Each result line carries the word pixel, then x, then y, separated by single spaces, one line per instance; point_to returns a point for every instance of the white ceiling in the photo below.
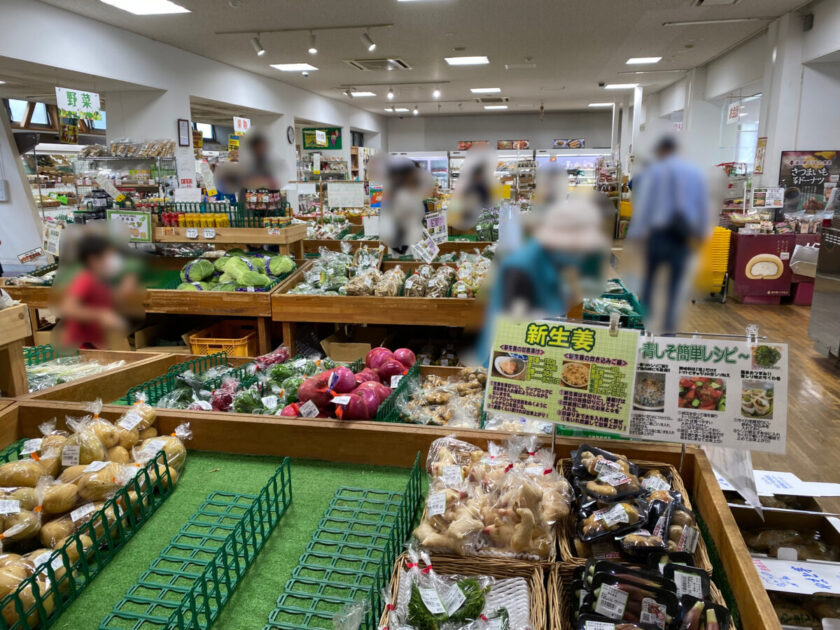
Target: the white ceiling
pixel 574 43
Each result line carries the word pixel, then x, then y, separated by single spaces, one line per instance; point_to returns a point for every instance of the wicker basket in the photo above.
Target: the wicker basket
pixel 533 573
pixel 560 596
pixel 565 539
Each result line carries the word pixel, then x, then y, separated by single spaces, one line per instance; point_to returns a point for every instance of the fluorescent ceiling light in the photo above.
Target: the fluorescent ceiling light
pixel 719 21
pixel 495 107
pixel 293 67
pixel 147 7
pixel 362 94
pixel 485 90
pixel 2 83
pixel 600 105
pixel 643 60
pixel 467 61
pixel 620 86
pixel 401 109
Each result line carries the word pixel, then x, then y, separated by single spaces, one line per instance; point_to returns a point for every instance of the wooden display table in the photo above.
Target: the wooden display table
pixel 14 328
pixel 289 239
pixel 386 444
pixel 313 245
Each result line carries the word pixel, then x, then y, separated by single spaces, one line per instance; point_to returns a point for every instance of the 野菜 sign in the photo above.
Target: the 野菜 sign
pixel 721 392
pixel 77 104
pixel 560 371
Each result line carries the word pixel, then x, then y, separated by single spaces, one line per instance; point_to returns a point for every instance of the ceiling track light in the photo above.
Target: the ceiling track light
pixel 390 94
pixel 368 42
pixel 257 44
pixel 436 93
pixel 313 49
pixel 415 111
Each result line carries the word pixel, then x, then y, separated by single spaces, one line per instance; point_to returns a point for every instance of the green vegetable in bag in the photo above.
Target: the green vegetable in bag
pixel 194 286
pixel 253 279
pixel 279 372
pixel 197 270
pixel 221 262
pixel 224 286
pixel 291 386
pixel 279 265
pixel 248 401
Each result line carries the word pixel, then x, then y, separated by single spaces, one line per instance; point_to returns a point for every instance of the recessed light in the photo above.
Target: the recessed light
pixel 415 111
pixel 620 86
pixel 363 94
pixel 390 94
pixel 719 21
pixel 293 67
pixel 485 90
pixel 436 93
pixel 642 60
pixel 147 7
pixel 467 61
pixel 495 107
pixel 600 105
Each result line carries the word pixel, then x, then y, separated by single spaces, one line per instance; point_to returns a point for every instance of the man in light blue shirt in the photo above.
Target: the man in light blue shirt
pixel 670 215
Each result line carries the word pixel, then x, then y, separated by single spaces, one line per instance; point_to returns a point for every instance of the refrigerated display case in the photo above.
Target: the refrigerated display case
pixel 581 164
pixel 436 162
pixel 824 327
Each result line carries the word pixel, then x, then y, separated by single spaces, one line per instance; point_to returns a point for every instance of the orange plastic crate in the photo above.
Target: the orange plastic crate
pixel 237 339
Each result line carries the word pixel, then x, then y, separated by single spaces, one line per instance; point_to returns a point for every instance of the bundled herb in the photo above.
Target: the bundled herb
pixel 420 617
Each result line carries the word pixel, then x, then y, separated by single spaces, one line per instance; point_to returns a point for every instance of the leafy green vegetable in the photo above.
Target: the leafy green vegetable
pixel 421 618
pixel 279 265
pixel 766 356
pixel 194 286
pixel 248 401
pixel 279 372
pixel 253 279
pixel 327 363
pixel 221 262
pixel 197 270
pixel 291 386
pixel 224 286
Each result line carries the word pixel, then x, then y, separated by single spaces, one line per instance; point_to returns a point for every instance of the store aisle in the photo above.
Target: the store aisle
pixel 813 390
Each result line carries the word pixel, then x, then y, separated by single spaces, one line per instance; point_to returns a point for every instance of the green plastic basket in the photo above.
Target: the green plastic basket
pixel 188 585
pixel 389 411
pixel 36 608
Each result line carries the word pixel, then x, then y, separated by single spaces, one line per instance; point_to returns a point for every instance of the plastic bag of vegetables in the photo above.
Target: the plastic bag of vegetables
pixel 197 270
pixel 195 286
pixel 279 265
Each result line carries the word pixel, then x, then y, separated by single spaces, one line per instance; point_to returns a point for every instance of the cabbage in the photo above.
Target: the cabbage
pixel 224 286
pixel 253 279
pixel 238 266
pixel 194 286
pixel 221 262
pixel 226 277
pixel 279 265
pixel 197 270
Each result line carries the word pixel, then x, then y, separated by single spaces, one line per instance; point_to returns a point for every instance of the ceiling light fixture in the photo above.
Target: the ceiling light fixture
pixel 718 21
pixel 389 109
pixel 293 67
pixel 400 109
pixel 620 86
pixel 313 49
pixel 147 7
pixel 363 94
pixel 304 74
pixel 390 94
pixel 436 93
pixel 495 107
pixel 368 42
pixel 415 111
pixel 485 90
pixel 642 60
pixel 348 93
pixel 478 60
pixel 2 83
pixel 257 44
pixel 600 105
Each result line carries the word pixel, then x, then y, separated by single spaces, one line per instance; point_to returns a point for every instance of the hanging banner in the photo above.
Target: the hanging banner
pixel 241 125
pixel 138 224
pixel 760 153
pixel 322 138
pixel 568 143
pixel 565 372
pixel 466 145
pixel 518 145
pixel 77 104
pixel 733 113
pixel 425 249
pixel 233 142
pixel 708 391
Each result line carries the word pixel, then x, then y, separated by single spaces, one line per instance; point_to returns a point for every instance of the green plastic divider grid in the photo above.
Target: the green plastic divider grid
pixel 70 568
pixel 350 556
pixel 388 410
pixel 195 576
pixel 35 355
pixel 157 387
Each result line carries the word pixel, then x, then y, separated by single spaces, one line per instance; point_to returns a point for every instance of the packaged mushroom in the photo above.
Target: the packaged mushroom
pixel 363 283
pixel 439 283
pixel 415 286
pixel 390 283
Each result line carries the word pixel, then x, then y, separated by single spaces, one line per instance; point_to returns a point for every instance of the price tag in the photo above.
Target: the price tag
pixel 436 504
pixel 9 506
pixel 31 446
pixel 653 613
pixel 209 233
pixel 613 478
pixel 274 231
pixel 613 516
pixel 655 483
pixel 431 599
pixel 688 584
pixel 130 421
pixel 82 512
pixel 395 380
pixel 42 558
pixel 611 601
pixel 269 402
pixel 70 456
pixel 534 470
pixel 308 409
pixel 341 400
pixel 191 232
pixel 599 625
pixel 688 539
pixel 452 475
pixel 605 464
pixel 94 466
pixel 453 599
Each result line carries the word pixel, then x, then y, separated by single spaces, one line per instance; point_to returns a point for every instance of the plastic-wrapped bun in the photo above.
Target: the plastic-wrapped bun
pixel 172 446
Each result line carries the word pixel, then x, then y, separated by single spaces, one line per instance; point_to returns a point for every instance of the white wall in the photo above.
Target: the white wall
pixel 442 133
pixel 737 68
pixel 819 109
pixel 672 98
pixel 823 40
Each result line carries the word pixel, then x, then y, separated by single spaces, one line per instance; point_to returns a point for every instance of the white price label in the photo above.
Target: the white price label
pixel 688 584
pixel 70 456
pixel 209 233
pixel 614 515
pixel 613 478
pixel 605 464
pixel 42 558
pixel 431 599
pixel 341 400
pixel 436 504
pixel 653 612
pixel 395 380
pixel 298 363
pixel 83 512
pixel 31 446
pixel 191 232
pixel 274 231
pixel 599 625
pixel 688 539
pixel 308 409
pixel 534 470
pixel 655 483
pixel 453 599
pixel 452 475
pixel 94 466
pixel 269 402
pixel 130 421
pixel 611 601
pixel 9 506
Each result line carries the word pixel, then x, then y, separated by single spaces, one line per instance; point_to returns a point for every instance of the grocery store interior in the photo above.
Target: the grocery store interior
pixel 432 314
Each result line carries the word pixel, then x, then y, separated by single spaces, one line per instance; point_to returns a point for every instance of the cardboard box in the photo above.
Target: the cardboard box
pixel 340 347
pixel 827 528
pixel 797 503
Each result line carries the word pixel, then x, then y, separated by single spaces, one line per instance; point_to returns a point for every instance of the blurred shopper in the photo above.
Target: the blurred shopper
pixel 401 217
pixel 473 190
pixel 88 307
pixel 670 218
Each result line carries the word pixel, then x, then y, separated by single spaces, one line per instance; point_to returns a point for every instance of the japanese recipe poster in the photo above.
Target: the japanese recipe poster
pixel 723 392
pixel 566 372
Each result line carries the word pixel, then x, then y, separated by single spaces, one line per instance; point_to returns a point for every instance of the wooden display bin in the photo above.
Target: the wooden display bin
pixel 385 444
pixel 289 239
pixel 14 328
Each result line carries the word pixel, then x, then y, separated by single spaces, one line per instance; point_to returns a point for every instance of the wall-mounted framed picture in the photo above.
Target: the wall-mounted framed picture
pixel 184 134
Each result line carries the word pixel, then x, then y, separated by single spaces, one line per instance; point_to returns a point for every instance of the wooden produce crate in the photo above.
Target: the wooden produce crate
pixel 289 238
pixel 15 326
pixel 311 246
pixel 385 444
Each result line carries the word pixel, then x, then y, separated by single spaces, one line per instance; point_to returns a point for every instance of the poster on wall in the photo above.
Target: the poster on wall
pixel 138 224
pixel 466 145
pixel 810 171
pixel 515 145
pixel 241 125
pixel 322 138
pixel 711 391
pixel 733 113
pixel 568 143
pixel 760 153
pixel 565 372
pixel 68 131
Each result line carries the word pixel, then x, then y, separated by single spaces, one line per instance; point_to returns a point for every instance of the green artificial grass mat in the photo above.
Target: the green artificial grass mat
pixel 313 486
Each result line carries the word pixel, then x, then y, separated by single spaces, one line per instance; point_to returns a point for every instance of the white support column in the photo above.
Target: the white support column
pixel 701 122
pixel 638 93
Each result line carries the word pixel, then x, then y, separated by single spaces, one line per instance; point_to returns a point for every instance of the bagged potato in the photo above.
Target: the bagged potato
pixel 172 446
pixel 55 497
pixel 140 417
pixel 27 498
pixel 101 480
pixel 21 473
